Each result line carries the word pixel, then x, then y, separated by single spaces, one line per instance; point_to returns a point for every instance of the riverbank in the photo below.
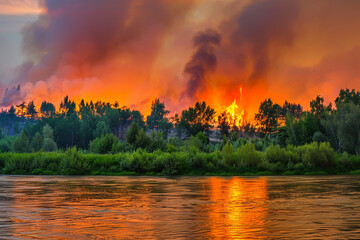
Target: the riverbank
pixel 310 159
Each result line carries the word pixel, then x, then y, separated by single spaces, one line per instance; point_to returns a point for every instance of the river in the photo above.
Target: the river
pixel 111 207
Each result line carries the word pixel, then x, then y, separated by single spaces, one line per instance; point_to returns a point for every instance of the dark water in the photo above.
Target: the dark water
pixel 180 208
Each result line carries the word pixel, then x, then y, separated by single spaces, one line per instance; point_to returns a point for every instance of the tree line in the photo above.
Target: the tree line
pixel 102 127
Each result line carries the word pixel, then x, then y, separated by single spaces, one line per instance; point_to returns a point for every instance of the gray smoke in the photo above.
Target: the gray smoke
pixel 11 96
pixel 259 26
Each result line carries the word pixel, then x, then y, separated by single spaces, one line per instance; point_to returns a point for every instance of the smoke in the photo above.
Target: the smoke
pixel 202 62
pixel 76 42
pixel 133 51
pixel 72 35
pixel 260 26
pixel 11 96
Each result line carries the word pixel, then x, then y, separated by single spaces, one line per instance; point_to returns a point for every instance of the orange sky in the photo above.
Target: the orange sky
pixel 134 51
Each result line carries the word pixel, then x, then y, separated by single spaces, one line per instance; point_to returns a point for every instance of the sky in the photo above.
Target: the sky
pixel 181 51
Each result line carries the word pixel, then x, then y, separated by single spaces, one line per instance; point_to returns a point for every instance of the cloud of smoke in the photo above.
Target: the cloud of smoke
pixel 260 26
pixel 202 62
pixel 89 39
pixel 133 51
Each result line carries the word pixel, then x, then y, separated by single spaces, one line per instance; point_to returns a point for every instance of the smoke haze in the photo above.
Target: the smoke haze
pixel 188 50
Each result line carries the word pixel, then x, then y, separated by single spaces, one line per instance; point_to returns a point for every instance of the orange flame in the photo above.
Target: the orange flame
pixel 234 116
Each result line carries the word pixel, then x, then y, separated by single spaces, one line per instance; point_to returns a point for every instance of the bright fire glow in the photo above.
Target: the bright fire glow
pixel 235 116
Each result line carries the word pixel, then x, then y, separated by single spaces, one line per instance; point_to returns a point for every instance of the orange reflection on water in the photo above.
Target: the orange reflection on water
pixel 238 208
pixel 134 207
pixel 67 210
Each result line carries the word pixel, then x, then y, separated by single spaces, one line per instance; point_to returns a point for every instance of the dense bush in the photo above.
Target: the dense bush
pixel 275 154
pixel 157 141
pixel 175 141
pixel 249 156
pixel 74 163
pixel 132 133
pixel 122 147
pixel 307 159
pixel 318 155
pixel 21 144
pixel 104 144
pixel 36 142
pixel 193 142
pixel 166 163
pixel 229 158
pixel 6 144
pixel 142 140
pixel 49 145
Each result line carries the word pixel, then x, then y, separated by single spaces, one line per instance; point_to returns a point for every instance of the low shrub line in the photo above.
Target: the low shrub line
pixel 314 158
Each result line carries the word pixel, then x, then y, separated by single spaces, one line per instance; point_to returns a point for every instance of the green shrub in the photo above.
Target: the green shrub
pixel 193 142
pixel 36 142
pixel 49 145
pixel 229 158
pixel 121 146
pixel 177 142
pixel 140 161
pixel 274 154
pixel 171 148
pixel 104 144
pixel 21 144
pixel 319 137
pixel 143 140
pixel 249 156
pixel 49 161
pixel 18 163
pixel 356 172
pixel 157 141
pixel 195 159
pixel 132 133
pixel 318 155
pixel 6 144
pixel 166 163
pixel 354 162
pixel 202 137
pixel 124 161
pixel 74 163
pixel 104 162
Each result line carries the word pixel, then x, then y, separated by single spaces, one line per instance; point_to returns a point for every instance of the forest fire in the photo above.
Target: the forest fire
pixel 179 118
pixel 235 116
pixel 131 59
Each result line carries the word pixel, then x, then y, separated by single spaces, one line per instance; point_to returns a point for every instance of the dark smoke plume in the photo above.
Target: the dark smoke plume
pixel 202 62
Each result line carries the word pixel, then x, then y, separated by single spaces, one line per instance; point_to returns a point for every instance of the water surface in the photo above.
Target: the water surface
pixel 105 207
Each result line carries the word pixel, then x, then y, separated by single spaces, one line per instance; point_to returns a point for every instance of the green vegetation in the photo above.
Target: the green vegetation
pixel 103 138
pixel 315 158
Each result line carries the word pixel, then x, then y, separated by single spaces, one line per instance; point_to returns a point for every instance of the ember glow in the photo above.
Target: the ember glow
pixel 182 51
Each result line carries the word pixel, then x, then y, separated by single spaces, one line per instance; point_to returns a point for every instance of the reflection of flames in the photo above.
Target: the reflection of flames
pixel 234 116
pixel 239 208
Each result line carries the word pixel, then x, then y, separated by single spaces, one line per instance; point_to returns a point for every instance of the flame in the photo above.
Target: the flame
pixel 234 116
